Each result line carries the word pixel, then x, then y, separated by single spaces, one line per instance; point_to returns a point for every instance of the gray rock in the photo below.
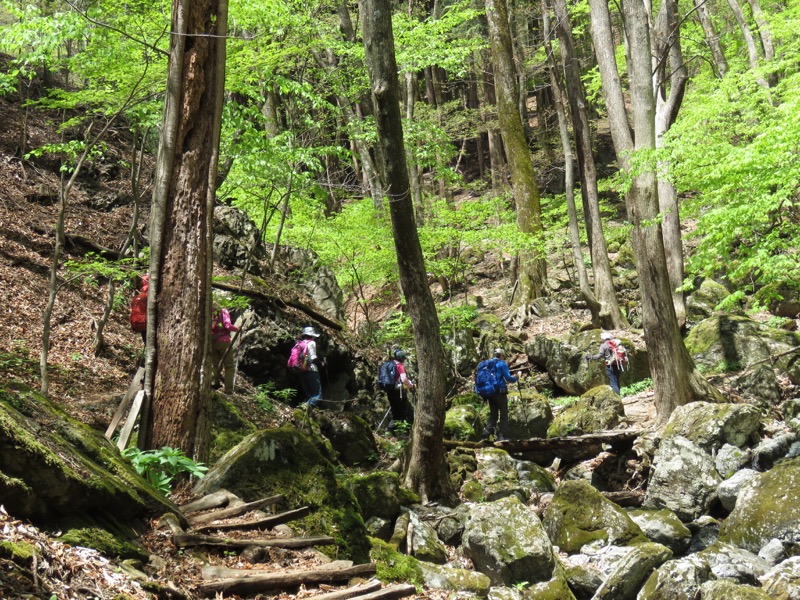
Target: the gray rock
pixel 505 540
pixel 379 528
pixel 663 527
pixel 583 580
pixel 729 490
pixel 773 552
pixel 701 303
pixel 499 475
pixel 678 579
pixel 705 531
pixel 730 459
pixel 631 572
pixel 237 242
pixel 736 564
pixel 766 453
pixel 783 581
pixel 350 436
pixel 528 416
pixel 683 479
pixel 599 409
pixel 423 543
pixel 761 385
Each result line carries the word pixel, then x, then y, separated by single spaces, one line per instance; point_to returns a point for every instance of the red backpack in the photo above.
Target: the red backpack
pixel 619 354
pixel 138 316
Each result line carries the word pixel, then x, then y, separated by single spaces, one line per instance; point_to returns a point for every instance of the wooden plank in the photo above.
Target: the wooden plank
pixel 263 523
pixel 135 385
pixel 282 580
pixel 234 511
pixel 393 592
pixel 185 540
pixel 127 429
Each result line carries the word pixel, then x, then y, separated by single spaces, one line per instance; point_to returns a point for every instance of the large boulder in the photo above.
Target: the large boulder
pixel 663 527
pixel 579 514
pixel 710 425
pixel 564 361
pixel 722 589
pixel 684 479
pixel 505 540
pixel 766 508
pixel 703 301
pixel 462 422
pixel 237 241
pixel 783 581
pixel 729 342
pixel 529 416
pixel 735 564
pixel 350 436
pixel 454 579
pixel 53 467
pixel 423 543
pixel 599 409
pixel 632 571
pixel 285 461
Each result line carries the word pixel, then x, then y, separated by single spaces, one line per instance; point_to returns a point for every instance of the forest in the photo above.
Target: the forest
pixel 452 173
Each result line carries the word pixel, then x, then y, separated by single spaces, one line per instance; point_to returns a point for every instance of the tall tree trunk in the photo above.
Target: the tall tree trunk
pixel 610 315
pixel 533 269
pixel 712 37
pixel 667 53
pixel 426 472
pixel 749 40
pixel 764 31
pixel 675 379
pixel 569 171
pixel 180 301
pixel 413 170
pixel 496 161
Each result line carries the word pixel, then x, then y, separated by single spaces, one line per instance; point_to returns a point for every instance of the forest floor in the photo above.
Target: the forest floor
pixel 88 383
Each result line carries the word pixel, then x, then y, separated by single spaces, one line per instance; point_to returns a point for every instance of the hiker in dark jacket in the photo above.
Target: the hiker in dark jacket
pixel 498 402
pixel 398 395
pixel 607 355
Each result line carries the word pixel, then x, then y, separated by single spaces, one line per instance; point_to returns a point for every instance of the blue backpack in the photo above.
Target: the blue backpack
pixel 387 373
pixel 486 378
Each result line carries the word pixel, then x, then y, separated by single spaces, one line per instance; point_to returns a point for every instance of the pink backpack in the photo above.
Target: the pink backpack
pixel 298 358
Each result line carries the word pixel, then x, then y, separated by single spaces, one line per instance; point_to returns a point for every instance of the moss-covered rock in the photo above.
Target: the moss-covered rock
pixel 766 508
pixel 731 343
pixel 529 415
pixel 633 570
pixel 392 565
pixel 579 514
pixel 722 589
pixel 461 422
pixel 52 466
pixel 350 436
pixel 443 577
pixel 122 542
pixel 597 410
pixel 500 475
pixel 379 494
pixel 285 461
pixel 703 301
pixel 228 427
pixel 19 552
pixel 711 425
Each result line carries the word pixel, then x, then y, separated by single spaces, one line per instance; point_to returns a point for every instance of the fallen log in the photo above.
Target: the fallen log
pixel 234 511
pixel 209 572
pixel 185 540
pixel 281 580
pixel 569 449
pixel 351 592
pixel 401 590
pixel 215 500
pixel 262 523
pixel 626 498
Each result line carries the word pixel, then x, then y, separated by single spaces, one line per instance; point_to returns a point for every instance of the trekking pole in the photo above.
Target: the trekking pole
pixel 383 420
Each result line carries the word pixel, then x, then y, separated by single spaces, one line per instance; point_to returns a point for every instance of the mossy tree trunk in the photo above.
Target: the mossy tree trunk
pixel 532 272
pixel 426 472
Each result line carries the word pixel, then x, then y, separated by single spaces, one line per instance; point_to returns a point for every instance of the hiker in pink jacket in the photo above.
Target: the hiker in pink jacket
pixel 221 352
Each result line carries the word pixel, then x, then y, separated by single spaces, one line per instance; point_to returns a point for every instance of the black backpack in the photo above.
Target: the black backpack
pixel 486 380
pixel 387 373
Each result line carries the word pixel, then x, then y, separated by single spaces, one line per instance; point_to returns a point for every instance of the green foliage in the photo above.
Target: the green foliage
pixel 267 393
pixel 160 467
pixel 635 388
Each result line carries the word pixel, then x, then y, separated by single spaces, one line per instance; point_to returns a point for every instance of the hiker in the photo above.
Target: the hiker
pixel 138 316
pixel 398 393
pixel 613 354
pixel 304 361
pixel 221 328
pixel 496 393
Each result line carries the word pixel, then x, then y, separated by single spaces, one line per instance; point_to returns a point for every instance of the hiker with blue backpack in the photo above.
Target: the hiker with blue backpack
pixel 303 361
pixel 491 377
pixel 393 379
